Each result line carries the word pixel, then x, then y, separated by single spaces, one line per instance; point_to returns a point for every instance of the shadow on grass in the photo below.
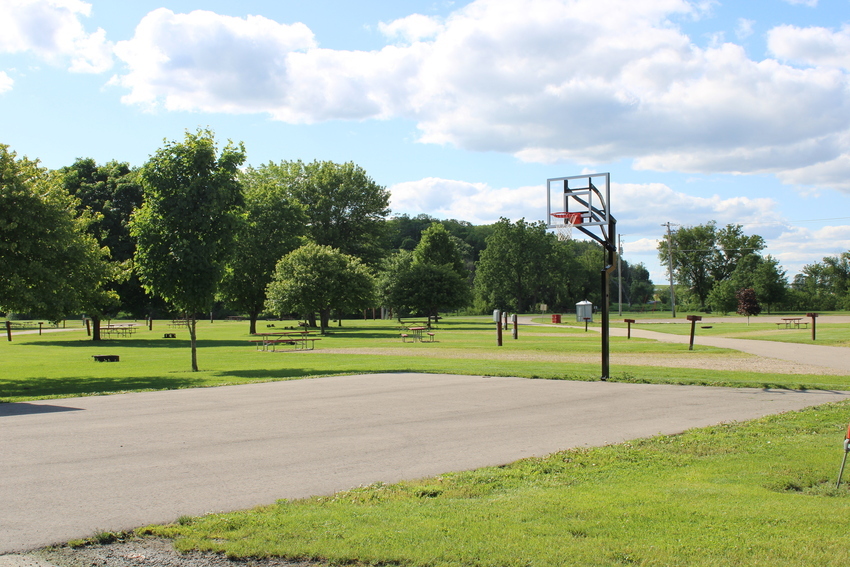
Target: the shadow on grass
pixel 144 343
pixel 293 373
pixel 89 385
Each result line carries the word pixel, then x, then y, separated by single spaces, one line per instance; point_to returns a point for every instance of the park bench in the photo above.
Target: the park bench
pixel 105 357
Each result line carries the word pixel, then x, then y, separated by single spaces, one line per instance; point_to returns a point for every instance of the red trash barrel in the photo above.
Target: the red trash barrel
pixel 556 318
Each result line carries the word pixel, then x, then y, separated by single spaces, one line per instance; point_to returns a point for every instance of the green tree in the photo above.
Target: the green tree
pixel 723 297
pixel 770 283
pixel 641 288
pixel 704 255
pixel 515 270
pixel 49 265
pixel 110 193
pixel 392 276
pixel 430 279
pixel 315 278
pixel 272 228
pixel 438 247
pixel 185 229
pixel 345 208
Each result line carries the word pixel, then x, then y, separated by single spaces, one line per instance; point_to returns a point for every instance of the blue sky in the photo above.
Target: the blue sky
pixel 737 112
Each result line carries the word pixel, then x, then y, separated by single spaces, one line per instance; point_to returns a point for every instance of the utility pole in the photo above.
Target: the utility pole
pixel 620 272
pixel 670 267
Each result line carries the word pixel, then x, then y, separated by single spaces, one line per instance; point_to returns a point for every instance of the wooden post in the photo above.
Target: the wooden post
pixel 814 317
pixel 9 330
pixel 498 319
pixel 693 319
pixel 88 327
pixel 586 321
pixel 629 327
pixel 150 323
pixel 40 323
pixel 516 328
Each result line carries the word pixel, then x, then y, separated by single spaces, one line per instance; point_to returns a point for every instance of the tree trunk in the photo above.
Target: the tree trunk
pixel 252 328
pixel 190 322
pixel 95 321
pixel 325 317
pixel 311 319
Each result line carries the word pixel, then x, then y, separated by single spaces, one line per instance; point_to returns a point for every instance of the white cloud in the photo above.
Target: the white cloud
pixel 811 46
pixel 415 27
pixel 204 61
pixel 744 29
pixel 810 3
pixel 6 82
pixel 587 81
pixel 52 30
pixel 477 203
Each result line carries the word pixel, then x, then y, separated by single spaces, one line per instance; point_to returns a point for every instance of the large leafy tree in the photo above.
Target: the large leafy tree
pixel 516 269
pixel 186 228
pixel 50 266
pixel 110 193
pixel 823 285
pixel 345 208
pixel 273 225
pixel 438 247
pixel 315 278
pixel 704 254
pixel 431 278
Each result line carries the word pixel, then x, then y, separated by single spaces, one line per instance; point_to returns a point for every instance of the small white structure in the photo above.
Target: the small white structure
pixel 584 311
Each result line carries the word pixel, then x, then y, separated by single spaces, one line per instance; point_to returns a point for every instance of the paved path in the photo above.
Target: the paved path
pixel 73 466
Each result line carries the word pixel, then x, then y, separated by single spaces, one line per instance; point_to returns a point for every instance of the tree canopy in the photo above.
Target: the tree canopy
pixel 704 255
pixel 185 229
pixel 315 278
pixel 49 265
pixel 272 227
pixel 345 208
pixel 515 269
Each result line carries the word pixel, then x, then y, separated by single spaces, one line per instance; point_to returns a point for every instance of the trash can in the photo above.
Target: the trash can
pixel 556 318
pixel 584 311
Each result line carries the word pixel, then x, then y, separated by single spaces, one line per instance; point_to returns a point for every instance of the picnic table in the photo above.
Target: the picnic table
pixel 416 334
pixel 301 340
pixel 793 322
pixel 118 330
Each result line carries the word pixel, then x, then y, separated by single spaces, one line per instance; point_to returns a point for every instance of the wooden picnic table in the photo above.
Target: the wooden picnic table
pixel 794 322
pixel 118 330
pixel 301 340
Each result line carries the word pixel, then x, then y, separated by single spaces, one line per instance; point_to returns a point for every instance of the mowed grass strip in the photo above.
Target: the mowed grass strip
pixel 762 328
pixel 758 493
pixel 60 364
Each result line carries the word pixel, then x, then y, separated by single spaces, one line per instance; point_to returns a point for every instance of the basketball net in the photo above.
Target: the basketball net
pixel 564 223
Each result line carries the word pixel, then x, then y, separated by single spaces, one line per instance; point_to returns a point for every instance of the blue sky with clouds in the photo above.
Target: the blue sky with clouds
pixel 701 110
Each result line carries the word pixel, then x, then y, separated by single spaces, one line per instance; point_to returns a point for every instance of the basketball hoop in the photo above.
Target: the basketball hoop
pixel 564 224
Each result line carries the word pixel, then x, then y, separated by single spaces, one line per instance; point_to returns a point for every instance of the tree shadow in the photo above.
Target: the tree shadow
pixel 144 343
pixel 23 408
pixel 90 385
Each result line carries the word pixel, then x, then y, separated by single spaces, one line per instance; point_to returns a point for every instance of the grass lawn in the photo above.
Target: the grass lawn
pixel 60 364
pixel 763 327
pixel 759 493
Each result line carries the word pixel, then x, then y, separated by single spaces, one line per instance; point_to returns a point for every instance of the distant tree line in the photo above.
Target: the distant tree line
pixel 712 265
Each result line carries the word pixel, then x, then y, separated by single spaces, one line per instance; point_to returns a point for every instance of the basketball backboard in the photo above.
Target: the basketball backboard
pixel 586 195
